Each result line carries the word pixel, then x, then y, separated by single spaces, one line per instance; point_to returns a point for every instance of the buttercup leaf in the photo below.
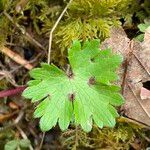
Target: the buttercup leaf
pixel 84 94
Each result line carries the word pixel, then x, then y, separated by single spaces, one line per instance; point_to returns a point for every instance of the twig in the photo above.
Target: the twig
pixel 145 137
pixel 23 135
pixel 16 57
pixel 76 137
pixel 7 116
pixel 19 67
pixel 8 77
pixel 16 121
pixel 127 62
pixel 28 36
pixel 41 143
pixel 52 30
pixel 131 120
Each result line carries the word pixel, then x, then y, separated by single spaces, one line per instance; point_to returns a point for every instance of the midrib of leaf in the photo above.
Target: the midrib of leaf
pixel 90 99
pixel 91 102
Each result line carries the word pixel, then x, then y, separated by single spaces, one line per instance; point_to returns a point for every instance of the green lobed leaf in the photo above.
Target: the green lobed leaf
pixel 25 143
pixel 12 145
pixel 85 93
pixel 143 26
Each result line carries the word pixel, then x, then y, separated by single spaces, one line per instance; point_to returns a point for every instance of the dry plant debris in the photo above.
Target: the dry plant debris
pixel 16 57
pixel 134 73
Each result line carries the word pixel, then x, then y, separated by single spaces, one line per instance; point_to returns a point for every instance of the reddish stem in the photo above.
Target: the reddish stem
pixel 11 92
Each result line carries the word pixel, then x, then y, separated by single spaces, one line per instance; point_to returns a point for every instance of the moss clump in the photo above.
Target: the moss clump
pixel 83 20
pixel 90 19
pixel 123 137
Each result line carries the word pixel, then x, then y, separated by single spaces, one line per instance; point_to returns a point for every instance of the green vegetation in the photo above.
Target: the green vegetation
pixel 123 136
pixel 83 21
pixel 142 27
pixel 15 144
pixel 83 94
pixel 86 19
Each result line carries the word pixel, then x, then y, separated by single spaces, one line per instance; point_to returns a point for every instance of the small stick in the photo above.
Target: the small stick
pixel 28 36
pixel 76 136
pixel 127 62
pixel 16 121
pixel 52 30
pixel 8 77
pixel 19 67
pixel 8 116
pixel 41 143
pixel 17 58
pixel 23 135
pixel 122 119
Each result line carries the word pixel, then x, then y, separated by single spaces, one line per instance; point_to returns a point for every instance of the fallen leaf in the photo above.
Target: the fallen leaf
pixel 144 93
pixel 5 117
pixel 134 71
pixel 13 105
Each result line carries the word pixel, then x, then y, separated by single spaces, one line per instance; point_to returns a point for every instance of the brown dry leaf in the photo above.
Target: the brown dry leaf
pixel 5 117
pixel 119 43
pixel 133 73
pixel 144 93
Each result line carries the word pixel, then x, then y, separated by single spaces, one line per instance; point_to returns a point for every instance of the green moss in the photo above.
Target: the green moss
pixel 122 137
pixel 84 19
pixel 4 29
pixel 90 19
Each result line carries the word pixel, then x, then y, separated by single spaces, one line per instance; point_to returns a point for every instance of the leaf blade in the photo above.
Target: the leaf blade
pixel 87 95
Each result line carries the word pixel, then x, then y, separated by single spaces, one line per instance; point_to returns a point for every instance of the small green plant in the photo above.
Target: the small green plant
pixel 83 94
pixel 15 144
pixel 142 27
